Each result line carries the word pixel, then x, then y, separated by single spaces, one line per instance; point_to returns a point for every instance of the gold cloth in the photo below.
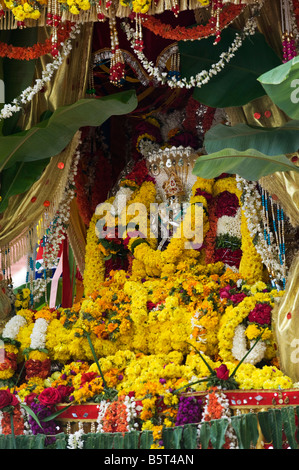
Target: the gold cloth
pixel 24 222
pixel 286 325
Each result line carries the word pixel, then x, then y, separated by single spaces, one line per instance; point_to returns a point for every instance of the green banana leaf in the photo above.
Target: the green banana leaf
pixel 269 141
pixel 236 84
pixel 19 178
pixel 49 137
pixel 281 84
pixel 251 164
pixel 246 429
pixel 24 156
pixel 271 426
pixel 289 426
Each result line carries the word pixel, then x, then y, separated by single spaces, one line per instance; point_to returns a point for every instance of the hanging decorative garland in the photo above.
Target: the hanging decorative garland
pixel 27 95
pixel 37 50
pixel 181 33
pixel 204 76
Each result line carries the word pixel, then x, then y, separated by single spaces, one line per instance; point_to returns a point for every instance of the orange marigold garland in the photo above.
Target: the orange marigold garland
pixel 181 33
pixel 217 407
pixel 37 50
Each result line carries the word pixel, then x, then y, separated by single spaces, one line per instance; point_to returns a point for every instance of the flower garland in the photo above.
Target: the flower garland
pixel 22 299
pixel 163 263
pixel 13 326
pixel 119 415
pixel 9 360
pixel 27 95
pixel 25 10
pixel 38 363
pixel 181 33
pixel 217 407
pixel 202 77
pixel 228 214
pixel 231 342
pixel 37 50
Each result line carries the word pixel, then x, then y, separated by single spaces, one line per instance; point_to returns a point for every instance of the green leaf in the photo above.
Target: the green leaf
pixel 19 178
pixel 56 413
pixel 271 426
pixel 205 434
pixel 289 426
pixel 217 432
pixel 31 413
pixel 52 135
pixel 21 159
pixel 95 358
pixel 282 85
pixel 269 141
pixel 246 429
pixel 236 84
pixel 146 439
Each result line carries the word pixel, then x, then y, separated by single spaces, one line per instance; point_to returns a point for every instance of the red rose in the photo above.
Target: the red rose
pixel 29 399
pixel 261 314
pixel 7 399
pixel 49 396
pixel 222 372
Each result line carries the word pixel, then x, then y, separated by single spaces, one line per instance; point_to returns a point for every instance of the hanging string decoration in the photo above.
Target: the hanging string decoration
pixel 287 27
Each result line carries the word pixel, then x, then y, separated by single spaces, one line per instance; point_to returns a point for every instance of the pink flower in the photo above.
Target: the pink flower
pixel 261 314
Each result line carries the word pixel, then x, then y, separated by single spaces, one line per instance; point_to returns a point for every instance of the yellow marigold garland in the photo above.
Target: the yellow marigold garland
pixel 94 272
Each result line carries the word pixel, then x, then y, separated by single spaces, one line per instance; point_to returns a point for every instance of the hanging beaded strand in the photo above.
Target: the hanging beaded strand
pixel 278 228
pixel 174 70
pixel 215 17
pixel 53 19
pixel 138 46
pixel 117 63
pixel 288 40
pixel 281 241
pixel 266 230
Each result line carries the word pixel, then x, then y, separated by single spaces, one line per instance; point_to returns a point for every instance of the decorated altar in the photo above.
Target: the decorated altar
pixel 149 183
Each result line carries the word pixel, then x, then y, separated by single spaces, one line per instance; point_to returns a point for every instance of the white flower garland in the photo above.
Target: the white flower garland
pixel 57 229
pixel 39 334
pixel 203 77
pixel 102 407
pixel 13 326
pixel 75 440
pixel 239 348
pixel 130 404
pixel 252 207
pixel 230 225
pixel 28 94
